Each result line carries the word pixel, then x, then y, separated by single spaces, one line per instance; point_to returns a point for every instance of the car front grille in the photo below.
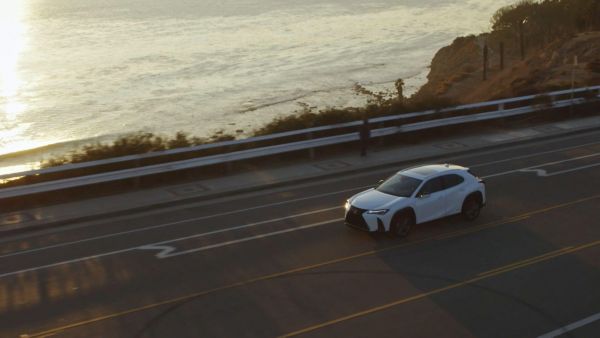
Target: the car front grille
pixel 354 218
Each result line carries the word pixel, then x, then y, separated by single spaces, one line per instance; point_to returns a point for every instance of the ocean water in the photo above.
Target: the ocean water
pixel 75 71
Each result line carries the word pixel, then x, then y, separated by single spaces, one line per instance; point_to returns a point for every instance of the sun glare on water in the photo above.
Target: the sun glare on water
pixel 13 39
pixel 12 43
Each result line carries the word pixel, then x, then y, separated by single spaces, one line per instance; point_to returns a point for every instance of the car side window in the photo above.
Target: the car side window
pixel 432 186
pixel 452 180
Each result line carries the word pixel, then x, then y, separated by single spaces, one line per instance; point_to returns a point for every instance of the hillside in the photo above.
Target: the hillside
pixel 457 70
pixel 553 34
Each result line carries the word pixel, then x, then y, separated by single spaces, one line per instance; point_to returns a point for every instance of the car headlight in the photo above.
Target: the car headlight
pixel 347 205
pixel 378 211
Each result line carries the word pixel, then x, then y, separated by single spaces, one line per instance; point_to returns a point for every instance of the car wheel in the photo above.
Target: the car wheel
pixel 401 225
pixel 471 208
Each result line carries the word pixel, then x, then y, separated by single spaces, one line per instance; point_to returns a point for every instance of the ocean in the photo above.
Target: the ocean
pixel 79 71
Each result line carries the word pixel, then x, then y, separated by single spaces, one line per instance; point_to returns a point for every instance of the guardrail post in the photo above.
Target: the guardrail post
pixel 311 151
pixel 501 106
pixel 138 180
pixel 381 138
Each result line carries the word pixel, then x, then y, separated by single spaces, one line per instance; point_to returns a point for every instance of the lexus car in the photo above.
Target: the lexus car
pixel 416 195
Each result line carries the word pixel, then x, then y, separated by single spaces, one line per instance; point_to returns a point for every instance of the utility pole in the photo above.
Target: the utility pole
pixel 501 55
pixel 575 61
pixel 521 39
pixel 485 61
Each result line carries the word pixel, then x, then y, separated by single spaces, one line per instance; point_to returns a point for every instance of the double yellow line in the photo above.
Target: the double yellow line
pixel 479 277
pixel 347 258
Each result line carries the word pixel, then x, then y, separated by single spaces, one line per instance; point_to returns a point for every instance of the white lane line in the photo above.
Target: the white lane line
pixel 572 169
pixel 544 173
pixel 75 260
pixel 166 250
pixel 158 226
pixel 183 221
pixel 571 326
pixel 65 244
pixel 203 234
pixel 535 154
pixel 169 251
pixel 540 165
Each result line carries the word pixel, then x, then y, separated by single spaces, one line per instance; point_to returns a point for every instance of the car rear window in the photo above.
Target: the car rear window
pixel 452 180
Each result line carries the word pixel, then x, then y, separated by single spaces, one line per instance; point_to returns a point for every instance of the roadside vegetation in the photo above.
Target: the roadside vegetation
pixel 378 104
pixel 547 20
pixel 132 144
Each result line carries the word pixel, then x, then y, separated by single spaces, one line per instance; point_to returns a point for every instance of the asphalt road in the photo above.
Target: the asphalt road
pixel 281 263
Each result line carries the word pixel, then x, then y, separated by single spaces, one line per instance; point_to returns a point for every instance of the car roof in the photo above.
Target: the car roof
pixel 426 171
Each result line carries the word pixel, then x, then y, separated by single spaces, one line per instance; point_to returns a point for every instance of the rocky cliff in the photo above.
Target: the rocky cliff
pixel 456 71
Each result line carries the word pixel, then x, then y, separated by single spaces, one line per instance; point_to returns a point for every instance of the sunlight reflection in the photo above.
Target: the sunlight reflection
pixel 12 42
pixel 10 141
pixel 59 285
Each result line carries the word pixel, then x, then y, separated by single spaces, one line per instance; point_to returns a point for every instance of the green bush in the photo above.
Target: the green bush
pixel 131 144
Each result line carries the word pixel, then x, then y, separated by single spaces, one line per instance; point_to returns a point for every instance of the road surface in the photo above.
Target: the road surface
pixel 281 262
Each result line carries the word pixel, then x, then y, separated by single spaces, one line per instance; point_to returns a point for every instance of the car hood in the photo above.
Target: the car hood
pixel 373 199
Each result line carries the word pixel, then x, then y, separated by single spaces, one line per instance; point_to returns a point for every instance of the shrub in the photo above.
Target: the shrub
pixel 131 144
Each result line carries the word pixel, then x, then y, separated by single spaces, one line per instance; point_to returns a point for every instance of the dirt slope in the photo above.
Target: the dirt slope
pixel 457 70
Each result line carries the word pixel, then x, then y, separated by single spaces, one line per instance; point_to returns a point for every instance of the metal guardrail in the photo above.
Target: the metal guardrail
pixel 499 103
pixel 499 112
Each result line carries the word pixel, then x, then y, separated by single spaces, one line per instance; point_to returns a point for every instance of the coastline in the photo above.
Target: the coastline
pixel 454 75
pixel 29 159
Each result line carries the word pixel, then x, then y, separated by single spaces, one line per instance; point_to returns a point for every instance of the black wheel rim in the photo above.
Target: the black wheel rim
pixel 472 210
pixel 402 227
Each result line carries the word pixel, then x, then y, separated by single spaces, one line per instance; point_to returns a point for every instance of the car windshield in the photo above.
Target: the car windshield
pixel 399 185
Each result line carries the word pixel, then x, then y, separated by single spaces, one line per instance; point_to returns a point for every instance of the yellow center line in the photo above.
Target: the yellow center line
pixel 496 272
pixel 549 254
pixel 308 267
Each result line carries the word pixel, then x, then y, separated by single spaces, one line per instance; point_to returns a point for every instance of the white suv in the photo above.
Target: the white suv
pixel 416 195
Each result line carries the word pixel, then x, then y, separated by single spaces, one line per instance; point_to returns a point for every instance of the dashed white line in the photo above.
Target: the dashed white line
pixel 165 250
pixel 533 168
pixel 168 251
pixel 203 234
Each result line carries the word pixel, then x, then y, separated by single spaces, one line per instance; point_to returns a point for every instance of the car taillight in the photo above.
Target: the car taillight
pixel 477 177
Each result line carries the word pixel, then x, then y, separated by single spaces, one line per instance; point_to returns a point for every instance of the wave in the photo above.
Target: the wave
pixel 54 148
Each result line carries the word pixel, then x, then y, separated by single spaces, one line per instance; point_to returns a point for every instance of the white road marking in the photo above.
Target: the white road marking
pixel 75 260
pixel 544 173
pixel 168 251
pixel 163 225
pixel 187 220
pixel 165 249
pixel 571 326
pixel 539 172
pixel 531 155
pixel 530 168
pixel 304 185
pixel 158 226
